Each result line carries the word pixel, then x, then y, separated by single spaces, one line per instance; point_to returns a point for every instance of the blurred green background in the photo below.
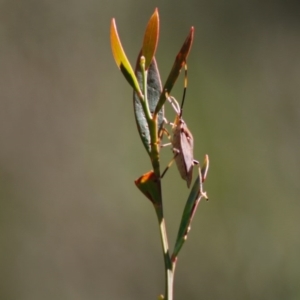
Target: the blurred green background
pixel 72 223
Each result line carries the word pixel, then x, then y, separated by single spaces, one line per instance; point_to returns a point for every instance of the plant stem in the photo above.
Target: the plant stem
pixel 169 275
pixel 154 154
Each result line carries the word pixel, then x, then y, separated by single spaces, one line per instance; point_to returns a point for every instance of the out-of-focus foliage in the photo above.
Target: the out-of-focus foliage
pixel 70 214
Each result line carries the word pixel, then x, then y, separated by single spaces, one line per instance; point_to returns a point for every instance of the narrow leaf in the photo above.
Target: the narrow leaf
pixel 189 211
pixel 121 58
pixel 190 206
pixel 177 66
pixel 151 38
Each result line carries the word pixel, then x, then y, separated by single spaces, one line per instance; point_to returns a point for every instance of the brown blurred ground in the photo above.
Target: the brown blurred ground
pixel 72 223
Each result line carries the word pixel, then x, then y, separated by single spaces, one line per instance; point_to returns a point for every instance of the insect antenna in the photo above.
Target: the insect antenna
pixel 184 90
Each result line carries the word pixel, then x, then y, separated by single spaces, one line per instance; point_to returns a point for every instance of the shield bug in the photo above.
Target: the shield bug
pixel 182 140
pixel 183 145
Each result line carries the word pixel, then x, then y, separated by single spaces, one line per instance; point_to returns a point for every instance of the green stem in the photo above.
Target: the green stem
pixel 169 274
pixel 144 100
pixel 152 124
pixel 151 121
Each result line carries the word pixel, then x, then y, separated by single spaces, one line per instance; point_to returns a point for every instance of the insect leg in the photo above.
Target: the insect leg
pixel 174 103
pixel 168 166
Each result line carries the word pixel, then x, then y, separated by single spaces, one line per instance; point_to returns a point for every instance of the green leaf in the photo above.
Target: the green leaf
pixel 177 66
pixel 121 58
pixel 154 90
pixel 190 207
pixel 150 186
pixel 154 87
pixel 189 211
pixel 151 38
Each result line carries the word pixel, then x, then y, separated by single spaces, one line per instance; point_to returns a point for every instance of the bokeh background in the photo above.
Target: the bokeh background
pixel 72 223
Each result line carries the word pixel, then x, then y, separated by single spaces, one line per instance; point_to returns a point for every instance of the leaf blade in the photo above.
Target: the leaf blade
pixel 190 208
pixel 121 58
pixel 154 89
pixel 177 66
pixel 151 38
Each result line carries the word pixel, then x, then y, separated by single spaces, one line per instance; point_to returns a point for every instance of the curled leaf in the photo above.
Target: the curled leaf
pixel 204 168
pixel 150 186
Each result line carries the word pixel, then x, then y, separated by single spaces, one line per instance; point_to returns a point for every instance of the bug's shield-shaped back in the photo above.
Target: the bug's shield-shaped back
pixel 183 145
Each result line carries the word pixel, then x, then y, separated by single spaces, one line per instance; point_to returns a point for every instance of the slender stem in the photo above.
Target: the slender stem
pixel 169 275
pixel 152 124
pixel 144 100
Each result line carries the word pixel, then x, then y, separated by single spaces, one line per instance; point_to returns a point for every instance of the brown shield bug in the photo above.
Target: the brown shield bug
pixel 182 140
